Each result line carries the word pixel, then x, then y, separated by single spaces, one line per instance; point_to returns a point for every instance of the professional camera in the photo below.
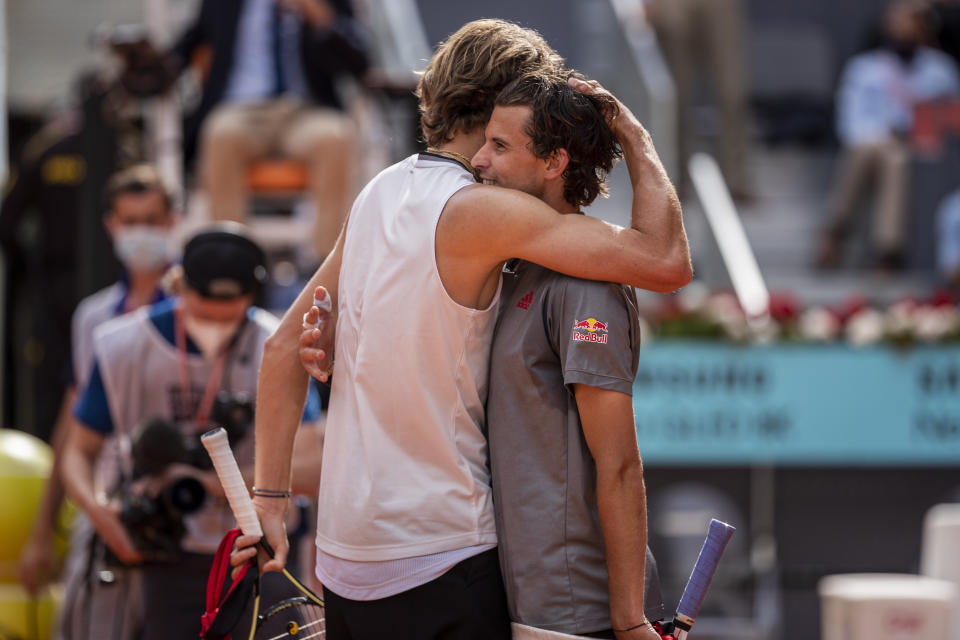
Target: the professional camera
pixel 234 412
pixel 155 520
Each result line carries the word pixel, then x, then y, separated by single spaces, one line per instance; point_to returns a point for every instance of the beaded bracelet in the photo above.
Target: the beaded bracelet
pixel 636 626
pixel 271 493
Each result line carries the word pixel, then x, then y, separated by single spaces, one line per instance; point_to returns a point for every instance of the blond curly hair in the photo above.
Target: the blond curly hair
pixel 458 88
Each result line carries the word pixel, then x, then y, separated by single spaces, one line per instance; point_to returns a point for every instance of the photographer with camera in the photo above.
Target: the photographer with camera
pixel 161 377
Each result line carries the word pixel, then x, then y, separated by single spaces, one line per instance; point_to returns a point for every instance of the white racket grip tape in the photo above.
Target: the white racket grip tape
pixel 717 537
pixel 218 446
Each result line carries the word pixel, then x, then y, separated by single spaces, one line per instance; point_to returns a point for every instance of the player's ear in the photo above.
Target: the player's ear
pixel 557 163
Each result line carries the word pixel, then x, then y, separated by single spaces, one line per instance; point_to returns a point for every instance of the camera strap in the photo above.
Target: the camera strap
pixel 213 383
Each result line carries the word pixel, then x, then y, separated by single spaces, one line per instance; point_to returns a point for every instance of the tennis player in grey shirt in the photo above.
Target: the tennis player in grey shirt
pixel 567 475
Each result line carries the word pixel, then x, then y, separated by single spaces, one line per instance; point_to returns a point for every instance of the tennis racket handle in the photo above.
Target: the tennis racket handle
pixel 218 446
pixel 717 537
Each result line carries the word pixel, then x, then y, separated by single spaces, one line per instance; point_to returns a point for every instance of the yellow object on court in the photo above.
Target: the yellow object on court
pixel 23 617
pixel 25 463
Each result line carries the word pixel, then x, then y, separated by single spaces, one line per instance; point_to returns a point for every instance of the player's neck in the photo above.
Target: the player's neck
pixel 553 196
pixel 465 144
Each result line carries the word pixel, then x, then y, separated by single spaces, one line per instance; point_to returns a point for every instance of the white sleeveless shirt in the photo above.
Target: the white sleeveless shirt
pixel 405 469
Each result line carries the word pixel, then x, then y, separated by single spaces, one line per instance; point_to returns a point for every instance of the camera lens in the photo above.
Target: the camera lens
pixel 186 495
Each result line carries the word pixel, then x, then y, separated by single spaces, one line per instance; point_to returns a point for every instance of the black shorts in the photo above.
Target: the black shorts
pixel 174 597
pixel 465 603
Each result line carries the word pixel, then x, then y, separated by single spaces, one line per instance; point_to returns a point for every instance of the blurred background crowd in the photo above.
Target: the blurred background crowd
pixel 815 147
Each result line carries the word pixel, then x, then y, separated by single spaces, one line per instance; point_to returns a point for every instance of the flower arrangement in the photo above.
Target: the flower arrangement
pixel 696 312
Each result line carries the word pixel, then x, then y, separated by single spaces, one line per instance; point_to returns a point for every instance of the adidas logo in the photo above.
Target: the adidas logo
pixel 526 301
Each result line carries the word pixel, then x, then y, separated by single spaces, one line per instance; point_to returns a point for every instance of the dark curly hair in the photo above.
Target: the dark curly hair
pixel 563 118
pixel 469 69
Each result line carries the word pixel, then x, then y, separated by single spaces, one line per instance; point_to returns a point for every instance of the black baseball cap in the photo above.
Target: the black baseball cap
pixel 224 263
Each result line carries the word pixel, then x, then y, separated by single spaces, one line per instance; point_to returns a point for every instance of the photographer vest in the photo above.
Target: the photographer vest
pixel 141 377
pixel 93 311
pixel 405 456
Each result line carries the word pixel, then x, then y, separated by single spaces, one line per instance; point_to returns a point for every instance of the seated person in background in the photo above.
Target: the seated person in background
pixel 270 89
pixel 878 90
pixel 190 362
pixel 948 238
pixel 568 490
pixel 138 219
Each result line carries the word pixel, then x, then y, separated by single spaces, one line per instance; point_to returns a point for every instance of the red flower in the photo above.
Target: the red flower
pixel 851 307
pixel 943 298
pixel 784 307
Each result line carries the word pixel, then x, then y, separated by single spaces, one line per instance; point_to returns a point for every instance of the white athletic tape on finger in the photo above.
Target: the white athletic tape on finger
pixel 322 305
pixel 218 446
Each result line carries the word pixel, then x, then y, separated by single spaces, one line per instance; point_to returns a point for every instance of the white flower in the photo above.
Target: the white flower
pixel 935 323
pixel 765 330
pixel 693 297
pixel 724 309
pixel 899 319
pixel 735 328
pixel 818 324
pixel 724 306
pixel 865 327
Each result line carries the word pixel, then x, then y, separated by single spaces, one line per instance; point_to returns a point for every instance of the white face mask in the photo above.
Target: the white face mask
pixel 141 247
pixel 210 336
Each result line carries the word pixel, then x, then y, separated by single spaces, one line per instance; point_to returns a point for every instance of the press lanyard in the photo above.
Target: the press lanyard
pixel 213 384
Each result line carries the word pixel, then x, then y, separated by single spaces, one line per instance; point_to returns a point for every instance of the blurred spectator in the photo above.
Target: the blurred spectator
pixel 55 247
pixel 38 233
pixel 708 34
pixel 138 218
pixel 270 89
pixel 877 93
pixel 948 238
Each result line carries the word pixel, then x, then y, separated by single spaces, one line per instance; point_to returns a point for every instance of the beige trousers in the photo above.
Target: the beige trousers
pixel 884 166
pixel 709 35
pixel 324 140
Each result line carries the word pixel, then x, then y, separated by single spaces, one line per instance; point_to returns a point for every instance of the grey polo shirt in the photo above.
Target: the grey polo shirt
pixel 555 331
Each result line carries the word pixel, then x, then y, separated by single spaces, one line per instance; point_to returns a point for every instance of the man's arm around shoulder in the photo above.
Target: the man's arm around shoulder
pixel 486 225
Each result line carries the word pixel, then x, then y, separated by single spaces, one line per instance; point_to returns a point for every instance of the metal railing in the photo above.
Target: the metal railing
pixel 656 79
pixel 724 222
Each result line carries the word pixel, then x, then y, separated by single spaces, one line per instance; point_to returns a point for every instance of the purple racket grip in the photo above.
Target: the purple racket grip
pixel 717 537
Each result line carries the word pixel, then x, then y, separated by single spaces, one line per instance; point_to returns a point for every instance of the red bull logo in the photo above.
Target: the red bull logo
pixel 590 330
